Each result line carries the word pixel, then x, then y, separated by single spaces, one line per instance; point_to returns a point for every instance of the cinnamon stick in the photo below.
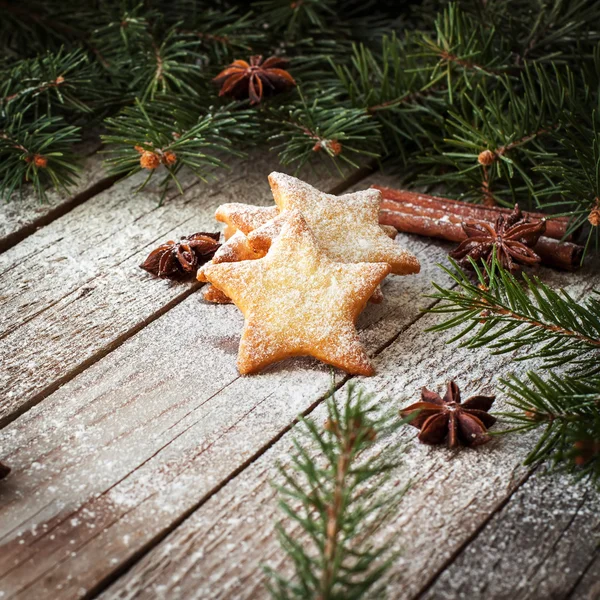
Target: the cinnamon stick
pixel 437 208
pixel 561 255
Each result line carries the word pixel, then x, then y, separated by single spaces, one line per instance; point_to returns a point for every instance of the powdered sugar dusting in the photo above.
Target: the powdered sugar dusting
pixel 245 217
pixel 347 226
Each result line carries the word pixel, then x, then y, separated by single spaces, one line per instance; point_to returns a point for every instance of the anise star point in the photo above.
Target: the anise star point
pixel 461 423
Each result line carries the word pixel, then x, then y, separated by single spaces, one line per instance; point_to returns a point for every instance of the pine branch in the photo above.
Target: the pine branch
pixel 393 87
pixel 568 411
pixel 66 81
pixel 504 315
pixel 38 153
pixel 332 491
pixel 326 127
pixel 172 136
pixel 500 136
pixel 297 16
pixel 574 185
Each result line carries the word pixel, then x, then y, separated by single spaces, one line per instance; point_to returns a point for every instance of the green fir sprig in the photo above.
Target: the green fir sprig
pixel 567 410
pixel 333 496
pixel 506 315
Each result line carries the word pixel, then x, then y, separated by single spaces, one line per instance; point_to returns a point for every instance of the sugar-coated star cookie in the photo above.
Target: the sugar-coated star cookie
pixel 211 294
pixel 245 217
pixel 346 226
pixel 299 302
pixel 236 248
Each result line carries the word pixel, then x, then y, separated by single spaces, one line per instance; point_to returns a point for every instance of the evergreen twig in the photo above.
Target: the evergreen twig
pixel 333 491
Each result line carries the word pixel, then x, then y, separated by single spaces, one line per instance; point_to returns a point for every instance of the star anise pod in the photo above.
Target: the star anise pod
pixel 511 241
pixel 255 79
pixel 174 260
pixel 440 418
pixel 4 471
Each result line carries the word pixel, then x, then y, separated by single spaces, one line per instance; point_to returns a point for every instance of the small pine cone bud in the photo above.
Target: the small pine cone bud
pixel 317 147
pixel 335 147
pixel 60 79
pixel 169 158
pixel 486 158
pixel 594 216
pixel 139 149
pixel 40 161
pixel 149 160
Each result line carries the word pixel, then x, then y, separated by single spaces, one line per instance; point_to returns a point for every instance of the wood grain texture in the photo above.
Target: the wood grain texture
pixel 73 290
pixel 588 586
pixel 22 215
pixel 121 453
pixel 538 546
pixel 218 550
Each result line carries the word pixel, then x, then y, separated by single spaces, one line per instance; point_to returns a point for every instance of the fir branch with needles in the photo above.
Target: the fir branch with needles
pixel 507 315
pixel 163 134
pixel 335 492
pixel 325 126
pixel 567 410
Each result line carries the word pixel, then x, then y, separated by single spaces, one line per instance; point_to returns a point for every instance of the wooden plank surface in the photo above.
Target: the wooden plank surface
pixel 540 545
pixel 157 457
pixel 217 552
pixel 168 418
pixel 83 293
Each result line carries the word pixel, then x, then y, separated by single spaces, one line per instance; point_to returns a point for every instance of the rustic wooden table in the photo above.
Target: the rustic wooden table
pixel 141 459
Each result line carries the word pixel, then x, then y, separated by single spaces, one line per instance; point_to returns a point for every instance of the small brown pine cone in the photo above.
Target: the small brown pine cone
pixel 486 158
pixel 40 161
pixel 169 158
pixel 149 160
pixel 594 216
pixel 335 147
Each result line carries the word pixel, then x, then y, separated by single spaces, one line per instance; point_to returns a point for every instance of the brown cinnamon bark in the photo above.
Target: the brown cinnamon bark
pixel 561 255
pixel 437 208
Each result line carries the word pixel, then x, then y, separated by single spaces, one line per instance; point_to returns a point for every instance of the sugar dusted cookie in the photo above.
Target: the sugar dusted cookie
pixel 298 302
pixel 245 217
pixel 346 226
pixel 236 248
pixel 211 294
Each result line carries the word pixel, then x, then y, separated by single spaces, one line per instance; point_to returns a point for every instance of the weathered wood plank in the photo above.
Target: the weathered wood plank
pixel 217 551
pixel 80 291
pixel 588 587
pixel 538 546
pixel 21 216
pixel 117 456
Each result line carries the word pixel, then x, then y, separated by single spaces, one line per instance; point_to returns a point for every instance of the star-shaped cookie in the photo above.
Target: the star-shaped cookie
pixel 346 226
pixel 298 302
